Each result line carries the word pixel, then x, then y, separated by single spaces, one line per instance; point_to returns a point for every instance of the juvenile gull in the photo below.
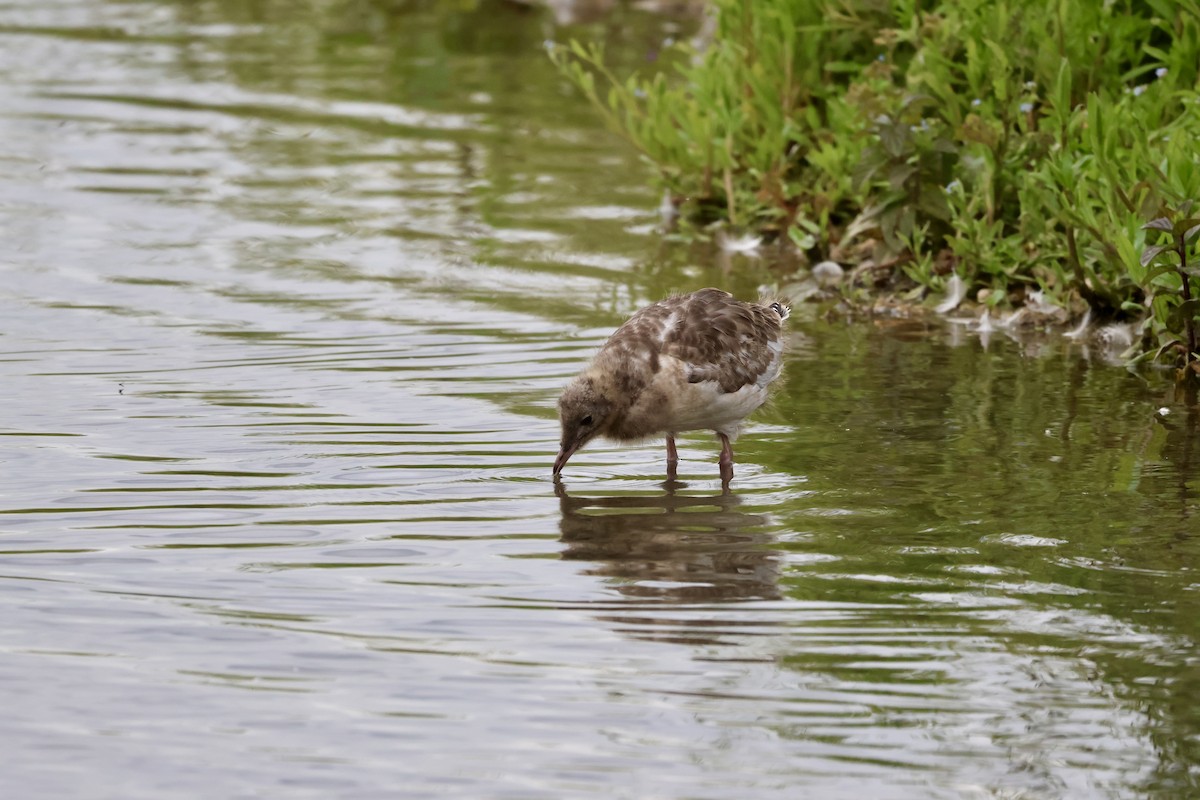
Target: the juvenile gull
pixel 700 361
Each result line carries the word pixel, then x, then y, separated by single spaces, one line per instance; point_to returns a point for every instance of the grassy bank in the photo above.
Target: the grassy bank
pixel 1023 146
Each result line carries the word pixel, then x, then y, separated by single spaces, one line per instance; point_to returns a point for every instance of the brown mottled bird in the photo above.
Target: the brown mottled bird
pixel 699 361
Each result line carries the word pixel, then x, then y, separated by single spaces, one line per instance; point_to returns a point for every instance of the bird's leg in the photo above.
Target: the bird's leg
pixel 726 461
pixel 672 457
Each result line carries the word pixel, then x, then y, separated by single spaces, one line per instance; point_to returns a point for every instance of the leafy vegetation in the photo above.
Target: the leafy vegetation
pixel 1021 145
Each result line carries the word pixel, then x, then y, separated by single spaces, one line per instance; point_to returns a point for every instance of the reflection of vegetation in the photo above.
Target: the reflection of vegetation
pixel 1021 145
pixel 1041 491
pixel 1034 507
pixel 425 129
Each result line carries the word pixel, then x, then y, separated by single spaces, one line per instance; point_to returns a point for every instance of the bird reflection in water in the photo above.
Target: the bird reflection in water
pixel 672 548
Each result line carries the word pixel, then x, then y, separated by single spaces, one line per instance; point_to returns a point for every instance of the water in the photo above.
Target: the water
pixel 288 292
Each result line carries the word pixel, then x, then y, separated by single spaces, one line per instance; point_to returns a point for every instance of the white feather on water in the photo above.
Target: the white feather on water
pixel 1081 330
pixel 956 290
pixel 744 244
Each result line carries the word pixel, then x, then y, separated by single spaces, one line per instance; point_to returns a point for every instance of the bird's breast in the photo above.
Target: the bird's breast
pixel 671 402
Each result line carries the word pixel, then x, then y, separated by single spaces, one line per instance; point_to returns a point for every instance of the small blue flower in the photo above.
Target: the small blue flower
pixel 1161 72
pixel 1026 108
pixel 976 103
pixel 879 57
pixel 952 186
pixel 1137 90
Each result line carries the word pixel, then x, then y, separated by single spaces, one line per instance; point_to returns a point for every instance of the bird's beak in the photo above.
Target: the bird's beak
pixel 563 455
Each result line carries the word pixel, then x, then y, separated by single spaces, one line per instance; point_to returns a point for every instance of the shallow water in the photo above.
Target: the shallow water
pixel 287 295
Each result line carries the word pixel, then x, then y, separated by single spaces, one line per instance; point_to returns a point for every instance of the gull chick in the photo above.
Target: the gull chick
pixel 699 361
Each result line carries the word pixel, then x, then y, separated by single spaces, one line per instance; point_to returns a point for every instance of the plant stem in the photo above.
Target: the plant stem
pixel 729 196
pixel 1085 291
pixel 1186 282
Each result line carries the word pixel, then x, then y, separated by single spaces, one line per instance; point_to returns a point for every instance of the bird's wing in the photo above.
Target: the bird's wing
pixel 716 337
pixel 720 339
pixel 632 354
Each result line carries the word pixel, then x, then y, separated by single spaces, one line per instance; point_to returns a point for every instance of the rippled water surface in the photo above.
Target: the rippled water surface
pixel 288 291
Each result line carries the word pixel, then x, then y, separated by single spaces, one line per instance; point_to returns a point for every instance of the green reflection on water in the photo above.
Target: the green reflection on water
pixel 1035 502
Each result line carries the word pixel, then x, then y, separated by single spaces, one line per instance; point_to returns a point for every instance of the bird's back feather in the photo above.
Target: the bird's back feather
pixel 719 338
pixel 702 360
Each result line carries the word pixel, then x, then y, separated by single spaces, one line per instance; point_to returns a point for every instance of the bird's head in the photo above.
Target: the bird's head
pixel 585 412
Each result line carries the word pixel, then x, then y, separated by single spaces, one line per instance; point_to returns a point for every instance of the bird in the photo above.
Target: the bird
pixel 698 361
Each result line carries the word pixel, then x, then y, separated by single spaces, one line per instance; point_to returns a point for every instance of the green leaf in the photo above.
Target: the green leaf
pixel 1062 88
pixel 999 71
pixel 894 138
pixel 1095 124
pixel 1182 313
pixel 1184 227
pixel 1158 269
pixel 1151 253
pixel 802 239
pixel 899 174
pixel 933 203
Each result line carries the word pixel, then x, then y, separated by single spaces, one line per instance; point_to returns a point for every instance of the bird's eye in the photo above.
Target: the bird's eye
pixel 586 420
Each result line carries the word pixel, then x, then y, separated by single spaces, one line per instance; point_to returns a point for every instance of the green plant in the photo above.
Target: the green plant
pixel 1168 265
pixel 745 135
pixel 1022 144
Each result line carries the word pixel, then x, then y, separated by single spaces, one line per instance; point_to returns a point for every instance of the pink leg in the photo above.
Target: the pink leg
pixel 672 457
pixel 726 461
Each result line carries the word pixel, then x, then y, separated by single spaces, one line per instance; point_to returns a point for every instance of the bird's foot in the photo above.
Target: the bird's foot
pixel 726 462
pixel 672 458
